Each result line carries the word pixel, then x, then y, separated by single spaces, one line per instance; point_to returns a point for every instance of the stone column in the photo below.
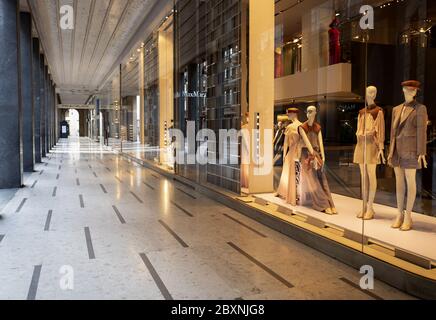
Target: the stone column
pixel 36 100
pixel 11 165
pixel 27 91
pixel 47 110
pixel 43 104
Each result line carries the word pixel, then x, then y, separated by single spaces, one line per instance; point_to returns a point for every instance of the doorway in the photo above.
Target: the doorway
pixel 73 119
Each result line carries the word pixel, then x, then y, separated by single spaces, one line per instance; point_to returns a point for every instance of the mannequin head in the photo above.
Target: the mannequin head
pixel 371 94
pixel 311 114
pixel 410 90
pixel 292 114
pixel 410 93
pixel 335 23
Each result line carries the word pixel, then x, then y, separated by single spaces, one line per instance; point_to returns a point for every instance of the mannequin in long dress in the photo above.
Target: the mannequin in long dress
pixel 314 181
pixel 291 152
pixel 370 150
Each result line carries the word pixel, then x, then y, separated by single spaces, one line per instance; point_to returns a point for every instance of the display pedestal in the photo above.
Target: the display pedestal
pixel 419 240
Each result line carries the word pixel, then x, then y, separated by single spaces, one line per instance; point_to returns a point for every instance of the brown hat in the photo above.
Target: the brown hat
pixel 412 84
pixel 293 110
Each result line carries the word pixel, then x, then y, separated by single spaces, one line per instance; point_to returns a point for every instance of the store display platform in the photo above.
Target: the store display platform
pixel 419 241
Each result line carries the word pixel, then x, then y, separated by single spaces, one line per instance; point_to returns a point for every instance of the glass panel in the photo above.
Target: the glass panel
pixel 109 97
pixel 402 47
pixel 208 82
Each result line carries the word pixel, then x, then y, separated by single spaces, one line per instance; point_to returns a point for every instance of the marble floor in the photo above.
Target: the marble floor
pixel 91 225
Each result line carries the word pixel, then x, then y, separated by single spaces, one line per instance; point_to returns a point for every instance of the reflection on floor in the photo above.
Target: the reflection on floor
pixel 379 229
pixel 90 225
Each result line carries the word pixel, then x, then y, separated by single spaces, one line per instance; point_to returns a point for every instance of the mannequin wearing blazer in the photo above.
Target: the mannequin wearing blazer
pixel 408 135
pixel 408 151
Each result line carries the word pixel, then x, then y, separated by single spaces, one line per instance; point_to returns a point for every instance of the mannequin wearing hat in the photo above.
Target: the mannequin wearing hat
pixel 408 151
pixel 370 150
pixel 291 153
pixel 315 188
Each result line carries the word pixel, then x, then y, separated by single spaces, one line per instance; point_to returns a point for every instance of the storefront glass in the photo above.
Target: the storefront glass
pixel 208 86
pixel 350 64
pixel 325 79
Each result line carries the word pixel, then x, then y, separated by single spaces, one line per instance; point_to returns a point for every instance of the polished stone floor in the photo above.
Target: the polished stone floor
pixel 91 225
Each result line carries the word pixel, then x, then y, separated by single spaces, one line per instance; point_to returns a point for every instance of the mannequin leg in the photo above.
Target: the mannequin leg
pixel 411 198
pixel 365 189
pixel 401 194
pixel 372 190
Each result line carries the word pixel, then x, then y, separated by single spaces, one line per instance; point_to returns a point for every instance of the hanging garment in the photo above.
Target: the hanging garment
pixel 408 135
pixel 291 152
pixel 315 190
pixel 335 46
pixel 370 135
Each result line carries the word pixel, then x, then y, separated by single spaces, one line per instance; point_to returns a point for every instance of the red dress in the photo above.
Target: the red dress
pixel 335 46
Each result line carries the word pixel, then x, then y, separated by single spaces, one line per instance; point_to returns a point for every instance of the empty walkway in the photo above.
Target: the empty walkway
pixel 91 225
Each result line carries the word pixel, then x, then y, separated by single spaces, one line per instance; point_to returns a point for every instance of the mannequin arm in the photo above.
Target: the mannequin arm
pixel 381 156
pixel 306 141
pixel 321 146
pixel 423 161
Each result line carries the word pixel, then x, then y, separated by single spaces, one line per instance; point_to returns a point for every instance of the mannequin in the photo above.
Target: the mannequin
pixel 408 150
pixel 314 179
pixel 370 150
pixel 291 154
pixel 279 139
pixel 245 152
pixel 335 42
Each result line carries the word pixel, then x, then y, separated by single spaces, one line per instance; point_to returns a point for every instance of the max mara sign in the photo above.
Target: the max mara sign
pixel 194 94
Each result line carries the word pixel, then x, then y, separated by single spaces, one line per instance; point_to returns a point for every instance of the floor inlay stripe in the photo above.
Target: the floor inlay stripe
pixel 2 236
pixel 23 202
pixel 261 265
pixel 357 287
pixel 78 182
pixel 150 186
pixel 120 217
pixel 82 202
pixel 91 252
pixel 163 289
pixel 103 188
pixel 182 209
pixel 57 177
pixel 118 179
pixel 33 289
pixel 244 225
pixel 41 173
pixel 136 197
pixel 34 184
pixel 95 175
pixel 186 193
pixel 48 221
pixel 54 192
pixel 182 243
